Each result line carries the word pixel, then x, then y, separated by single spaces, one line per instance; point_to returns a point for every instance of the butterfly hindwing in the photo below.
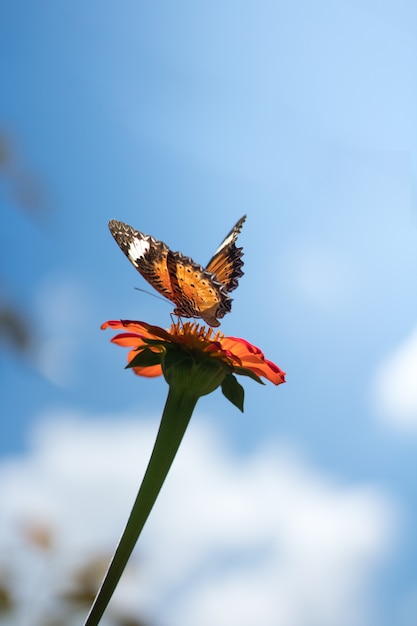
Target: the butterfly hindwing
pixel 195 291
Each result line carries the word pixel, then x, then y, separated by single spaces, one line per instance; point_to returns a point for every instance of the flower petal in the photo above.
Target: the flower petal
pixel 253 358
pixel 141 328
pixel 150 372
pixel 127 340
pixel 268 370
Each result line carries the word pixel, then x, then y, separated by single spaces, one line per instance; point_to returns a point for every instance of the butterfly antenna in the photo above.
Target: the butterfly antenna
pixel 152 294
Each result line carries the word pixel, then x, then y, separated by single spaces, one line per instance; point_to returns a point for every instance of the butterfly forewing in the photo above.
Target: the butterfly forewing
pixel 147 254
pixel 226 263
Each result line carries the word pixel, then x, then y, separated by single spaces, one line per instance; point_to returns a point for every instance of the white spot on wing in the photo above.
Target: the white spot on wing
pixel 138 248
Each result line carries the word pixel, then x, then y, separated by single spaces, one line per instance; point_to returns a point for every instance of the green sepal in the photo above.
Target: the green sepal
pixel 156 342
pixel 145 358
pixel 173 358
pixel 194 371
pixel 244 371
pixel 233 391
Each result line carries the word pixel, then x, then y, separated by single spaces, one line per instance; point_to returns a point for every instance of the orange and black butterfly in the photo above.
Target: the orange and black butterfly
pixel 195 291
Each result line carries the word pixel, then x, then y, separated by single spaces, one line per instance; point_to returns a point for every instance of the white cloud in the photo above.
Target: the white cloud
pixel 394 388
pixel 262 540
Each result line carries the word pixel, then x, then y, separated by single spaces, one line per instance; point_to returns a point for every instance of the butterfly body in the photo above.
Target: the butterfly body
pixel 195 291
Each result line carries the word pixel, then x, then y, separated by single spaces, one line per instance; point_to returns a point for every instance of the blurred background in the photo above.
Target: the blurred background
pixel 178 118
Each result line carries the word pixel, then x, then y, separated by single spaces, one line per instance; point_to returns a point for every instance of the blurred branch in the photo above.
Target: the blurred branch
pixel 13 329
pixel 26 192
pixel 24 185
pixel 6 600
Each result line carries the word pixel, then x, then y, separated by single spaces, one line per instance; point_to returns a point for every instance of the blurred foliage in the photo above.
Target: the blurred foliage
pixel 86 582
pixel 14 330
pixel 21 182
pixel 23 190
pixel 64 606
pixel 68 606
pixel 6 599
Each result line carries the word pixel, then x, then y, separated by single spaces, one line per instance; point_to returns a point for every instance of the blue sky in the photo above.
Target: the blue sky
pixel 178 118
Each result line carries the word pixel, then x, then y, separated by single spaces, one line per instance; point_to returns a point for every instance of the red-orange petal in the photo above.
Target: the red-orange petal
pixel 141 328
pixel 253 358
pixel 128 340
pixel 240 347
pixel 152 371
pixel 268 370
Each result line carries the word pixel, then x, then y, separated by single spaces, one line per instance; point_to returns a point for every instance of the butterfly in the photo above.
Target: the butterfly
pixel 196 291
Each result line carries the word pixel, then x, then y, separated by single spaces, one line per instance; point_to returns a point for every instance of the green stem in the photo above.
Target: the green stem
pixel 176 416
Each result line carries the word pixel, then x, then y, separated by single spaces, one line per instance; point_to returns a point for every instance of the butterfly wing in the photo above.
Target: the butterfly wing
pixel 196 292
pixel 147 255
pixel 226 263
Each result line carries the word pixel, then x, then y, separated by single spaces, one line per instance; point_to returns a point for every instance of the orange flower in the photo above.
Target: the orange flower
pixel 149 343
pixel 194 361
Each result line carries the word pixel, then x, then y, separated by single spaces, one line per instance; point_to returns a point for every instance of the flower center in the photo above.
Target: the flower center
pixel 194 334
